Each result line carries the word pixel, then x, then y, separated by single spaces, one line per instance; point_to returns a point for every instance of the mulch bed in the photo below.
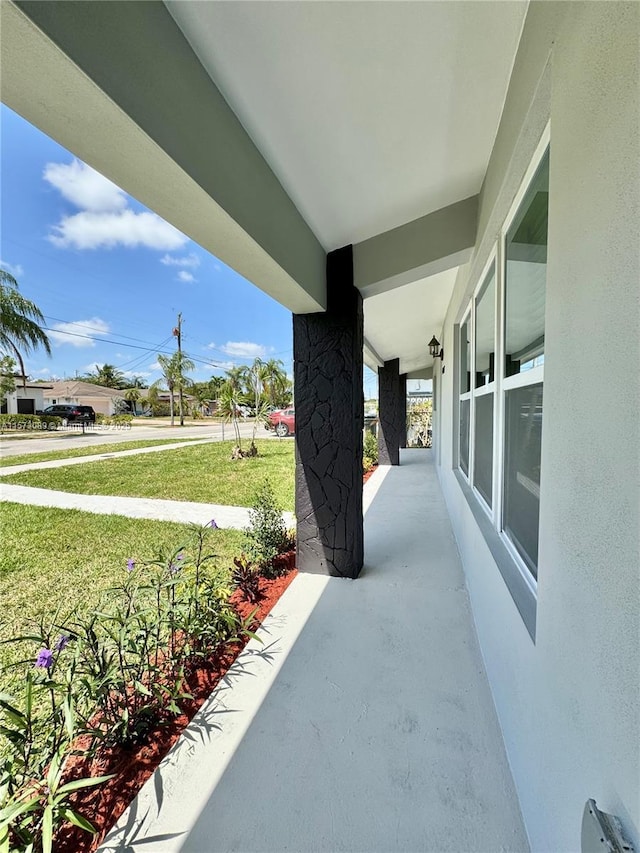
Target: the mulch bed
pixel 104 804
pixel 368 473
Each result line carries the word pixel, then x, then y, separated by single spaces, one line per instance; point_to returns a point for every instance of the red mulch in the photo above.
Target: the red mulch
pixel 104 804
pixel 368 473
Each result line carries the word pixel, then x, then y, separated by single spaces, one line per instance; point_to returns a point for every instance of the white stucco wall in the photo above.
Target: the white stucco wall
pixel 569 704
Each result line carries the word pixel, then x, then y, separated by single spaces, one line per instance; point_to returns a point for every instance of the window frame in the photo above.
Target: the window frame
pixel 490 387
pixel 517 575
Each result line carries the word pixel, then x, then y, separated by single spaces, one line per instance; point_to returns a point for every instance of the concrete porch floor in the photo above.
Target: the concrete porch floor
pixel 363 723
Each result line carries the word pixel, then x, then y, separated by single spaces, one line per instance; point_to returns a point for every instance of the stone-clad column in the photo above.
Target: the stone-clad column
pixel 390 423
pixel 329 403
pixel 402 409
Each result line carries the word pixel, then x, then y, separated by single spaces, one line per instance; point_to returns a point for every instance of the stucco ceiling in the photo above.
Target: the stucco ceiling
pixel 370 113
pixel 400 323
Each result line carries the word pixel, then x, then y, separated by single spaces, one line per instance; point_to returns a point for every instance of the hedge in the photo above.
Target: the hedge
pixel 27 422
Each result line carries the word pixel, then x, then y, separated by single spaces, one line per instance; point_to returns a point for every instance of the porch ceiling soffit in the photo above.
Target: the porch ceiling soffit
pixel 119 86
pixel 400 322
pixel 371 114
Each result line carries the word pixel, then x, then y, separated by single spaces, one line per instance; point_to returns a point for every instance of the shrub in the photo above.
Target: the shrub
pixel 370 451
pixel 114 420
pixel 30 422
pixel 246 578
pixel 267 534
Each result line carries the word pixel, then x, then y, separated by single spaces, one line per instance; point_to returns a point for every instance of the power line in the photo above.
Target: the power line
pixel 208 363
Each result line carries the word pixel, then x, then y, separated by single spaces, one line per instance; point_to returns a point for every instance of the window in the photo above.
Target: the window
pixel 465 395
pixel 501 366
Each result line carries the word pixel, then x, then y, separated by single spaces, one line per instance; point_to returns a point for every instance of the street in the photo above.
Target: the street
pixel 63 439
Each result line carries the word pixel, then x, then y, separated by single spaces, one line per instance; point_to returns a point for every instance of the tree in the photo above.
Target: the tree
pixel 20 322
pixel 7 376
pixel 109 376
pixel 132 395
pixel 276 383
pixel 174 370
pixel 229 408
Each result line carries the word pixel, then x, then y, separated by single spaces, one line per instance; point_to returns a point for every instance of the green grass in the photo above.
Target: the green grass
pixel 204 473
pixel 91 450
pixel 66 558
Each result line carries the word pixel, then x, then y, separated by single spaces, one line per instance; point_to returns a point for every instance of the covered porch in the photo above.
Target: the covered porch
pixel 363 722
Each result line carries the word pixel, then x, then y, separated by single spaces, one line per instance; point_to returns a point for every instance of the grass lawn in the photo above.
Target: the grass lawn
pixel 204 473
pixel 91 450
pixel 66 558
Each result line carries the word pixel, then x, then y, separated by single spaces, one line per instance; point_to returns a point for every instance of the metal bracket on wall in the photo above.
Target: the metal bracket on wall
pixel 602 832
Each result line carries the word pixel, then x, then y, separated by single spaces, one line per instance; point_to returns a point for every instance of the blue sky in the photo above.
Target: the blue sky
pixel 110 276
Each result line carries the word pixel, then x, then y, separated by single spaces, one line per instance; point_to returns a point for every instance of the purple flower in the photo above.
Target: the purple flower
pixel 173 569
pixel 212 524
pixel 62 642
pixel 131 564
pixel 180 557
pixel 44 659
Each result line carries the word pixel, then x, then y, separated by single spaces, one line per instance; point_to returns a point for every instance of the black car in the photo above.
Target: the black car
pixel 71 414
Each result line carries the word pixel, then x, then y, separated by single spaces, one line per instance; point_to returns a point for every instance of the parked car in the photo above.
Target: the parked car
pixel 71 414
pixel 282 422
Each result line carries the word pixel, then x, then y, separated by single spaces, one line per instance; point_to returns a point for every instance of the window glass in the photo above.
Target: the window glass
pixel 483 447
pixel 525 277
pixel 465 357
pixel 464 435
pixel 485 332
pixel 523 432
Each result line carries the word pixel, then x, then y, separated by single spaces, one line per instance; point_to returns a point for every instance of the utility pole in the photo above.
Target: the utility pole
pixel 177 332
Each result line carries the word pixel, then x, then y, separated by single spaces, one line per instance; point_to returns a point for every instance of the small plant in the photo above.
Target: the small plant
pixel 369 451
pixel 267 533
pixel 246 577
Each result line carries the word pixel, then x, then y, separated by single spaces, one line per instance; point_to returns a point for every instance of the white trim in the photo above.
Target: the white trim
pixel 531 582
pixel 485 389
pixel 528 377
pixel 538 154
pixel 498 405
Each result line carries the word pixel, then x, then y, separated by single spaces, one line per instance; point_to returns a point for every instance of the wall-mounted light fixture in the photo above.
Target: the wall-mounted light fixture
pixel 435 349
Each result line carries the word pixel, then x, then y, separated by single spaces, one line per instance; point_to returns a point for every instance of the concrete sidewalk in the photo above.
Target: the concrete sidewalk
pixel 363 722
pixel 186 512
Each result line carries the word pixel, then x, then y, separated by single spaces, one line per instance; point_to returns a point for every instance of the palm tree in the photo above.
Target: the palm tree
pixel 20 319
pixel 174 368
pixel 132 395
pixel 109 376
pixel 229 406
pixel 274 380
pixel 168 374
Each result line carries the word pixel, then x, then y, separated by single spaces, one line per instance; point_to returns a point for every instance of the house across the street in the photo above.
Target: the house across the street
pixel 26 399
pixel 104 400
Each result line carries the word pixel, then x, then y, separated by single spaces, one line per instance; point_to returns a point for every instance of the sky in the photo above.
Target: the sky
pixel 110 276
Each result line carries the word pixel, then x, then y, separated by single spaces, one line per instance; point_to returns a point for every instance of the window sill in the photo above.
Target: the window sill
pixel 523 596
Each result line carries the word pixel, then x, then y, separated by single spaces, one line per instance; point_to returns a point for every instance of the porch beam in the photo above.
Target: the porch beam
pixel 327 353
pixel 119 85
pixel 426 246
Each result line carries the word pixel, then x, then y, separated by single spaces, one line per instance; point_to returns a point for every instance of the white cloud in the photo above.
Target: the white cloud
pixel 44 372
pixel 191 260
pixel 155 366
pixel 13 269
pixel 84 187
pixel 94 230
pixel 185 276
pixel 105 219
pixel 243 349
pixel 79 333
pixel 141 373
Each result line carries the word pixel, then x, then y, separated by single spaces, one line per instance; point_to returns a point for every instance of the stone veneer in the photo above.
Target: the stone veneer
pixel 327 352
